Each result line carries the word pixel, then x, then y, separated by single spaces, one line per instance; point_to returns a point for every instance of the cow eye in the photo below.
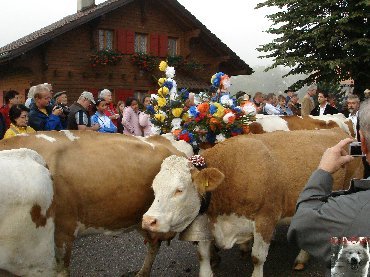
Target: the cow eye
pixel 178 192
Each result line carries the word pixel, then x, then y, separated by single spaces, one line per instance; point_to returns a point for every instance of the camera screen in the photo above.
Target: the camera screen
pixel 355 149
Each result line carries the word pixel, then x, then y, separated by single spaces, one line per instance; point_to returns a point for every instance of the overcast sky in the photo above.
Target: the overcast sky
pixel 235 22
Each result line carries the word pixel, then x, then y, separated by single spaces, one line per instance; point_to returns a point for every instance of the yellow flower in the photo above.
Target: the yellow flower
pixel 177 112
pixel 161 102
pixel 163 91
pixel 220 110
pixel 162 66
pixel 213 77
pixel 159 117
pixel 161 81
pixel 185 117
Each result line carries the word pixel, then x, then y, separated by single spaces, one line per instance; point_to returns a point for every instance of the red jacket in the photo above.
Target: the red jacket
pixel 5 112
pixel 111 110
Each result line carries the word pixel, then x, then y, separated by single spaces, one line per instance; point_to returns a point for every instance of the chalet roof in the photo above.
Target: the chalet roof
pixel 37 38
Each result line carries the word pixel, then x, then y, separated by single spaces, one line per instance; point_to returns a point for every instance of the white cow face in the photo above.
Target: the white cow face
pixel 178 188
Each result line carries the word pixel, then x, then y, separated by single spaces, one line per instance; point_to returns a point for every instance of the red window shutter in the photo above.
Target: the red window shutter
pixel 130 42
pixel 121 41
pixel 123 94
pixel 154 44
pixel 163 45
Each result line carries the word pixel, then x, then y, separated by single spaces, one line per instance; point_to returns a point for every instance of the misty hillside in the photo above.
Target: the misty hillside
pixel 266 82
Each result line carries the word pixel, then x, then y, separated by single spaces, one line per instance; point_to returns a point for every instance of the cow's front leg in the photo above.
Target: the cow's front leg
pixel 263 232
pixel 301 260
pixel 204 253
pixel 153 249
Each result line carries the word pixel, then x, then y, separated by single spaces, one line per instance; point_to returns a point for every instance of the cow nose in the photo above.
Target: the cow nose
pixel 354 261
pixel 149 223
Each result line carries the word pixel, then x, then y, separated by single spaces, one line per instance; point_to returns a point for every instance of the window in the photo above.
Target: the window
pixel 172 46
pixel 141 42
pixel 105 40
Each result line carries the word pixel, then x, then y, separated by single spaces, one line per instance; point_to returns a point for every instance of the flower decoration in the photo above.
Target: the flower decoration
pixel 198 161
pixel 144 61
pixel 162 66
pixel 105 57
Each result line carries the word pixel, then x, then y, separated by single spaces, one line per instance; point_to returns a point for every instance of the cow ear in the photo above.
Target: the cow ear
pixel 208 179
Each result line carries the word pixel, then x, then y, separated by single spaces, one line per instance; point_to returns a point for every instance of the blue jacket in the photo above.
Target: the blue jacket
pixel 104 127
pixel 42 122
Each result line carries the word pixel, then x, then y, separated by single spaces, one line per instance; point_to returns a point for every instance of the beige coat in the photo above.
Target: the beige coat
pixel 307 105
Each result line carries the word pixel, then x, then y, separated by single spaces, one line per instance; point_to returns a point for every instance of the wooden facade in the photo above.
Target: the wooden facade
pixel 60 53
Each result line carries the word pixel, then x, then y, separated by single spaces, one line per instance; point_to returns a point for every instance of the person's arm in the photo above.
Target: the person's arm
pixel 82 120
pixel 143 119
pixel 270 109
pixel 111 129
pixel 316 221
pixel 126 120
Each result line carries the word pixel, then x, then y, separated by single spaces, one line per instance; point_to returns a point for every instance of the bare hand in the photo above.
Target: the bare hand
pixel 335 157
pixel 58 111
pixel 95 127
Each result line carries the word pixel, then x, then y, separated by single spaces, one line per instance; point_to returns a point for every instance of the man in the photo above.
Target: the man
pixel 353 104
pixel 323 107
pixel 307 102
pixel 293 104
pixel 289 92
pixel 78 118
pixel 269 106
pixel 42 116
pixel 258 101
pixel 316 220
pixel 11 98
pixel 60 99
pixel 367 93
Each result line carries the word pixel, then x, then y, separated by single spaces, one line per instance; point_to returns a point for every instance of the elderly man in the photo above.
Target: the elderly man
pixel 293 104
pixel 320 217
pixel 78 118
pixel 61 100
pixel 307 102
pixel 42 116
pixel 353 105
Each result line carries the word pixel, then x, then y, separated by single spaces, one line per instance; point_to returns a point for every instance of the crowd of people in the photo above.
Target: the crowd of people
pixel 45 110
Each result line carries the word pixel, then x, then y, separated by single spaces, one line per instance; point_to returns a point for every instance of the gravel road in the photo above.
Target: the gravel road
pixel 122 255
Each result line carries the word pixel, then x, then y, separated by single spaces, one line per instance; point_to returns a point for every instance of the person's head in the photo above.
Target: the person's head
pixel 50 87
pixel 322 98
pixel 132 102
pixel 270 98
pixel 258 97
pixel 281 100
pixel 42 96
pixel 106 94
pixel 101 105
pixel 120 107
pixel 18 115
pixel 312 90
pixel 289 92
pixel 60 97
pixel 146 101
pixel 364 118
pixel 294 98
pixel 353 103
pixel 31 92
pixel 367 93
pixel 86 99
pixel 11 97
pixel 332 100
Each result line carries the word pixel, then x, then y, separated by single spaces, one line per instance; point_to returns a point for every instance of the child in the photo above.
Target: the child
pixel 106 124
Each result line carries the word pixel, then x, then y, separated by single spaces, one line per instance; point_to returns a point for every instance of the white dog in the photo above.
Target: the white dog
pixel 353 259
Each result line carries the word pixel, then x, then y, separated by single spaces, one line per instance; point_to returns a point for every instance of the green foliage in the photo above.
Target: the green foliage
pixel 326 39
pixel 105 57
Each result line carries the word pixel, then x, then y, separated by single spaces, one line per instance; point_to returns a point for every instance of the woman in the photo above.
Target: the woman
pixel 18 115
pixel 120 108
pixel 110 111
pixel 130 119
pixel 144 118
pixel 106 124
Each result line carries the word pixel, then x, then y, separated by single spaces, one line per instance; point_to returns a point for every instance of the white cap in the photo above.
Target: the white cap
pixel 88 96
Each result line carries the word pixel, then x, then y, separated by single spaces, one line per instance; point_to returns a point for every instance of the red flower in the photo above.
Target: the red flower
pixel 184 137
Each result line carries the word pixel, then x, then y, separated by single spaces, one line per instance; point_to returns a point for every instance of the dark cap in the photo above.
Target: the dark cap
pixel 59 93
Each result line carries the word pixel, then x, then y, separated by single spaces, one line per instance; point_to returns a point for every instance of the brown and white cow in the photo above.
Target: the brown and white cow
pixel 255 182
pixel 102 182
pixel 272 123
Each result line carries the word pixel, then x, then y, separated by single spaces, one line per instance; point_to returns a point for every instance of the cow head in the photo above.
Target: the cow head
pixel 178 189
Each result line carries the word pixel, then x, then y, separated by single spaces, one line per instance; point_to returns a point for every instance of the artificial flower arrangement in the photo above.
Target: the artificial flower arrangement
pixel 105 57
pixel 206 121
pixel 144 61
pixel 169 109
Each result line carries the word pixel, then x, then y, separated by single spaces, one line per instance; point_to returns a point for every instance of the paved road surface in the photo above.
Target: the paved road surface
pixel 122 255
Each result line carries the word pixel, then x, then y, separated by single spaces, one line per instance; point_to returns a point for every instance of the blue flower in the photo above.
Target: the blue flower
pixel 237 109
pixel 193 111
pixel 150 109
pixel 168 84
pixel 217 80
pixel 212 109
pixel 211 137
pixel 184 94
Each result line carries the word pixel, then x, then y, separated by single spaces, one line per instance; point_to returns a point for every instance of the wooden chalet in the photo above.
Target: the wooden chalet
pixel 117 45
